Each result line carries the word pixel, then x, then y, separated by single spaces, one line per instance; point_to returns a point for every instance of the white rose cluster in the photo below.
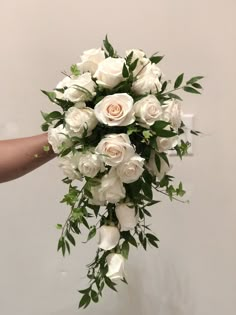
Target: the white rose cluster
pixel 112 163
pixel 118 118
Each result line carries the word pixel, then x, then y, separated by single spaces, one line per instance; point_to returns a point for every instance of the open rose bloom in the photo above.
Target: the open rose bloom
pixel 116 121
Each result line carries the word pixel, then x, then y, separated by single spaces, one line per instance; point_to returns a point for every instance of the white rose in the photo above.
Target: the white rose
pixel 151 166
pixel 164 144
pixel 115 110
pixel 172 113
pixel 109 72
pixel 147 110
pixel 131 170
pixel 90 60
pixel 142 60
pixel 90 164
pixel 126 216
pixel 112 189
pixel 115 149
pixel 148 81
pixel 69 165
pixel 109 237
pixel 81 88
pixel 80 119
pixel 116 266
pixel 57 138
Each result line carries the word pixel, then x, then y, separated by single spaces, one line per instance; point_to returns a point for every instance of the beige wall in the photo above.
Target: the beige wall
pixel 193 272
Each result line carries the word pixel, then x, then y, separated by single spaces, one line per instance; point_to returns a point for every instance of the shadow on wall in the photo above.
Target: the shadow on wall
pixel 168 293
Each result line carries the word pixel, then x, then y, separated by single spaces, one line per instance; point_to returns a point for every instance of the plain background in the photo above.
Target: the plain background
pixel 193 272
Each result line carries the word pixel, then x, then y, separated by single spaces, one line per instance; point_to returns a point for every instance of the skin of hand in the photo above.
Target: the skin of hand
pixel 21 156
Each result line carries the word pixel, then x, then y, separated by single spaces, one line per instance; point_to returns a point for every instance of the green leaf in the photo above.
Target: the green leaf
pixel 125 71
pixel 165 133
pixel 59 246
pixel 67 246
pixel 63 247
pixel 132 241
pixel 180 191
pixel 92 233
pixel 84 291
pixel 75 70
pixel 197 85
pixel 147 190
pixel 195 132
pixel 94 296
pixel 152 237
pixel 147 212
pixel 59 226
pixel 110 284
pixel 189 89
pixel 129 58
pixel 44 127
pixel 194 79
pixel 70 238
pixel 94 208
pixel 153 202
pixel 85 223
pixel 88 193
pixel 108 47
pixel 147 177
pixel 163 155
pixel 175 96
pixel 85 300
pixel 50 95
pixel 179 80
pixel 153 243
pixel 160 124
pixel 158 162
pixel 156 59
pixel 125 250
pixel 133 65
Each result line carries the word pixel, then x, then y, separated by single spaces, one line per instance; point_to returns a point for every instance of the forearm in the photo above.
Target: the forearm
pixel 20 156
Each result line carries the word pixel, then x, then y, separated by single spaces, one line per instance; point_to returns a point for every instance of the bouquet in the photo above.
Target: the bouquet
pixel 117 119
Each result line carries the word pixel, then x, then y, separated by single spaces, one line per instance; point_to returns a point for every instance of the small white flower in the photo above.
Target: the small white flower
pixel 131 170
pixel 115 110
pixel 90 60
pixel 81 88
pixel 151 166
pixel 80 119
pixel 116 266
pixel 115 149
pixel 90 164
pixel 109 72
pixel 109 237
pixel 126 216
pixel 69 165
pixel 147 110
pixel 148 82
pixel 58 136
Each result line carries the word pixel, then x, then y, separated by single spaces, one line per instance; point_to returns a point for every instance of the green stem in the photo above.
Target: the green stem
pixel 164 193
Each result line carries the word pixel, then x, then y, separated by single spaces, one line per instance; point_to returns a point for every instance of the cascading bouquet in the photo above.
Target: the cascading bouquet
pixel 118 119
